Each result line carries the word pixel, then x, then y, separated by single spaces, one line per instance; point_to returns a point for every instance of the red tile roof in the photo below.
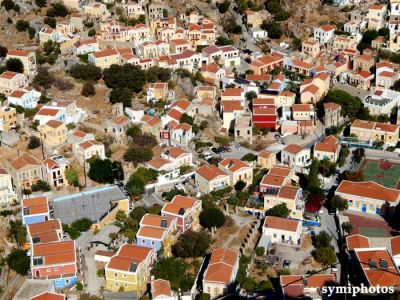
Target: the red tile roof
pixel 160 288
pixel 210 172
pixel 23 160
pixel 293 149
pixel 281 223
pixel 221 265
pixel 127 255
pixel 357 241
pixel 368 189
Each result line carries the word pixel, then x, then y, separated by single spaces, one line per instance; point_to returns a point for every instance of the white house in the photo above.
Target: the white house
pixel 25 98
pixel 135 115
pixel 282 230
pixel 46 114
pixel 7 193
pixel 324 33
pixel 295 155
pixel 85 150
pixel 86 46
pixel 178 156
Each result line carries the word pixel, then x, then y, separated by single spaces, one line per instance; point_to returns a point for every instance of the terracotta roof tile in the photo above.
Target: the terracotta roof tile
pixel 281 223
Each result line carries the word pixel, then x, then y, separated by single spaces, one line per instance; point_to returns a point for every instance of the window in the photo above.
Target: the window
pixel 350 202
pixel 274 235
pixel 55 269
pixel 143 242
pixel 48 270
pixel 116 284
pixel 124 275
pixel 116 275
pixel 152 243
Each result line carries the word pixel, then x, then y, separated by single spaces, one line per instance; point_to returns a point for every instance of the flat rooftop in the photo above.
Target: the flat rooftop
pixel 93 204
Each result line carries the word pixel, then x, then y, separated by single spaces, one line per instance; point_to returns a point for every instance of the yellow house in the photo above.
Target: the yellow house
pixel 266 159
pixel 237 170
pixel 221 272
pixel 310 47
pixel 328 149
pixel 25 171
pixel 209 178
pixel 97 10
pixel 374 131
pixel 27 58
pixel 105 58
pixel 363 62
pixel 129 269
pixel 8 118
pixel 53 133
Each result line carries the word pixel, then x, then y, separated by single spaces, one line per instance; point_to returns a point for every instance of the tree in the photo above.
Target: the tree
pixel 3 51
pixel 17 231
pixel 339 203
pixel 323 240
pixel 121 95
pixel 105 171
pixel 222 141
pixel 314 203
pixel 40 185
pixel 43 78
pixel 51 21
pixel 88 89
pixel 249 157
pixel 273 28
pixel 279 210
pixel 72 176
pixel 260 251
pixel 171 269
pixel 155 74
pixel 350 105
pixel 186 119
pixel 358 155
pixel 203 125
pixel 22 25
pixel 34 142
pixel 174 192
pixel 138 155
pixel 240 185
pixel 40 3
pixel 82 224
pixel 8 4
pixel 85 72
pixel 125 76
pixel 327 168
pixel 325 255
pixel 135 186
pixel 31 32
pixel 14 65
pixel 19 261
pixel 147 175
pixel 224 6
pixel 212 217
pixel 58 10
pixel 312 178
pixel 92 32
pixel 192 244
pixel 242 5
pixel 347 227
pixel 223 41
pixel 137 213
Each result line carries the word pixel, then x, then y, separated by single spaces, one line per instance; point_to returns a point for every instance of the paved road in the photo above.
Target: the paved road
pixel 92 282
pixel 380 154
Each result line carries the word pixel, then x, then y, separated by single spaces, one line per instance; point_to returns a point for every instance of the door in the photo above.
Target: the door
pixel 364 208
pixel 378 211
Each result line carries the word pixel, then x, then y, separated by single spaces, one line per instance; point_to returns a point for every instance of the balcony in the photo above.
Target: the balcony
pixel 219 185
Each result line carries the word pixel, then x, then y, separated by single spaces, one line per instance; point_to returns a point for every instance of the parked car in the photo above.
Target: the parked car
pixel 286 263
pixel 221 149
pixel 238 146
pixel 215 150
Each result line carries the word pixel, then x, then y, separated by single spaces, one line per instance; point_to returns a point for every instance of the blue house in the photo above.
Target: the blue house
pixel 35 210
pixel 157 232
